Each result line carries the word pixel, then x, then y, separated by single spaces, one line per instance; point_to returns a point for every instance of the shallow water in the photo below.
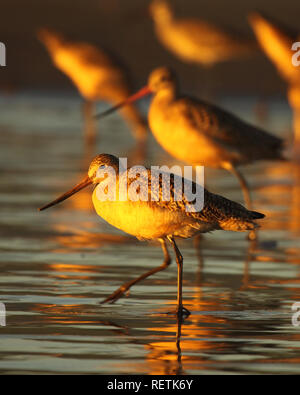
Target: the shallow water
pixel 57 265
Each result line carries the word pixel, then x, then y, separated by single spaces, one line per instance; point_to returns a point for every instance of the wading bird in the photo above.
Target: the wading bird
pixel 278 42
pixel 157 218
pixel 196 41
pixel 97 76
pixel 200 133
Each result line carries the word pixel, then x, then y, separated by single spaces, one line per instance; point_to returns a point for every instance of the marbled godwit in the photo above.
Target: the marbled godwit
pixel 97 75
pixel 160 219
pixel 277 43
pixel 200 133
pixel 194 40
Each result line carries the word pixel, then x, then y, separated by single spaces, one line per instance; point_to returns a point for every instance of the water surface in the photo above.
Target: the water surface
pixel 57 265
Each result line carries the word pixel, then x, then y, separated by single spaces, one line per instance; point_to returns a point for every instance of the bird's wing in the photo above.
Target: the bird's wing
pixel 203 34
pixel 228 132
pixel 172 192
pixel 89 54
pixel 163 189
pixel 228 214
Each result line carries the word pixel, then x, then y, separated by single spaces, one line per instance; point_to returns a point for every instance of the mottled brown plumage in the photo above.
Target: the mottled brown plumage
pixel 217 213
pixel 242 142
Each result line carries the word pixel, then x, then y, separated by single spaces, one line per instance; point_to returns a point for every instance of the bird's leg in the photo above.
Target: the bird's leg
pixel 261 111
pixel 138 153
pixel 178 339
pixel 140 133
pixel 89 125
pixel 296 125
pixel 243 183
pixel 125 287
pixel 197 245
pixel 249 254
pixel 246 192
pixel 181 311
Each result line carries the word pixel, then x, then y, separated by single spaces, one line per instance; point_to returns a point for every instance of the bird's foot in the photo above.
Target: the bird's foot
pixel 180 311
pixel 252 235
pixel 116 295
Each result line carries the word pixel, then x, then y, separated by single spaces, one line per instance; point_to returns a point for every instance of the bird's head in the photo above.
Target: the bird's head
pixel 161 78
pixel 103 162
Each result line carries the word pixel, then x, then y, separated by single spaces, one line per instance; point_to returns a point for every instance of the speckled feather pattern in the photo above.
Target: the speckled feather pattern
pixel 217 212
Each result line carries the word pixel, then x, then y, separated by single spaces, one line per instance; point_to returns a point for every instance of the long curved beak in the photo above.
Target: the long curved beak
pixel 131 99
pixel 84 183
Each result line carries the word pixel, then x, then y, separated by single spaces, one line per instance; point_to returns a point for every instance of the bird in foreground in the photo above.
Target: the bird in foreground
pixel 199 133
pixel 97 76
pixel 280 45
pixel 153 217
pixel 197 41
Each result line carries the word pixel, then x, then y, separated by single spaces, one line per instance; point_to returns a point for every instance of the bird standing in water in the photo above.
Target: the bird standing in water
pixel 200 133
pixel 157 218
pixel 97 76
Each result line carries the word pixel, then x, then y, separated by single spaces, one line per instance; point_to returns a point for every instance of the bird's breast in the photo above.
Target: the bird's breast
pixel 86 76
pixel 179 136
pixel 143 220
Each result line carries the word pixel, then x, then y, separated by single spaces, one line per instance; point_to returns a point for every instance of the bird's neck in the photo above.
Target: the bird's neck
pixel 167 95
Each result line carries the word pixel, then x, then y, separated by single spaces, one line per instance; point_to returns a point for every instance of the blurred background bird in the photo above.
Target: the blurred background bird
pixel 98 76
pixel 277 42
pixel 194 40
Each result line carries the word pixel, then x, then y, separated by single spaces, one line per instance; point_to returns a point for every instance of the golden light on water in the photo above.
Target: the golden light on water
pixel 68 61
